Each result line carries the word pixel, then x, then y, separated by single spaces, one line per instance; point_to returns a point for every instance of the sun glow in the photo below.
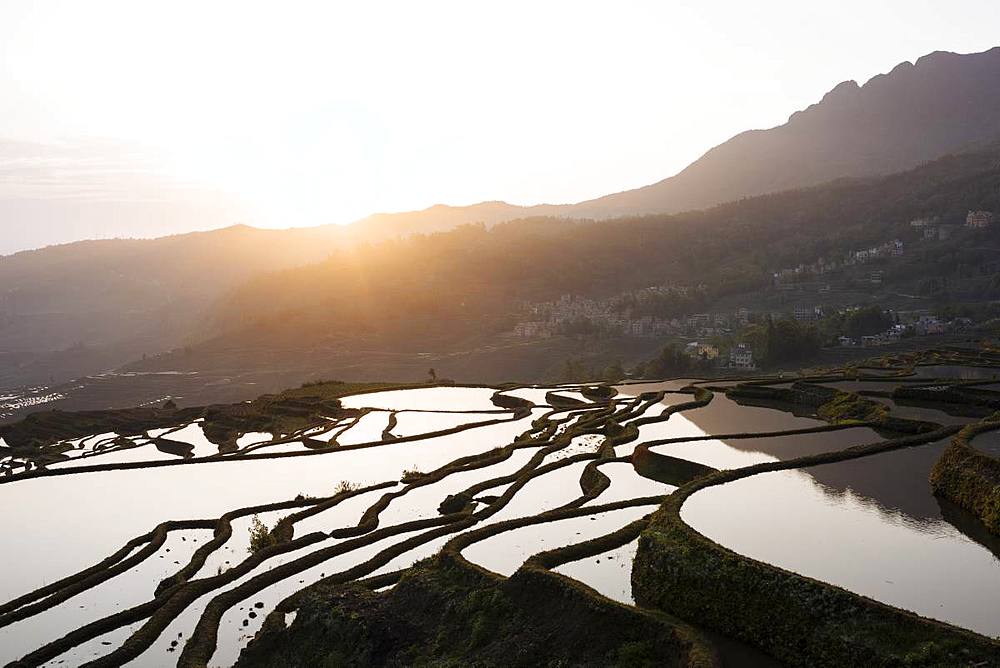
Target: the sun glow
pixel 311 112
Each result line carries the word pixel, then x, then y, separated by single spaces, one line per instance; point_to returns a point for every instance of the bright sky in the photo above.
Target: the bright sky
pixel 134 117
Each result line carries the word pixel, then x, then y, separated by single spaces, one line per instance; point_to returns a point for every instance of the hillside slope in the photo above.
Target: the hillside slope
pixel 447 291
pixel 109 301
pixel 113 300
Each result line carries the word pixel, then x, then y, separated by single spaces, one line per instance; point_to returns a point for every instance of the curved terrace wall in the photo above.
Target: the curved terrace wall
pixel 798 620
pixel 970 478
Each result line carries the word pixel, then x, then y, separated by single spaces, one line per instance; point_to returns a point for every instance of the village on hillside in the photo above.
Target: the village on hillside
pixel 716 335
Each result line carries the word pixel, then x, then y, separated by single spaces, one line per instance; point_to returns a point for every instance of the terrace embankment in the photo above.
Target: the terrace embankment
pixel 39 432
pixel 446 612
pixel 42 436
pixel 830 404
pixel 800 621
pixel 970 478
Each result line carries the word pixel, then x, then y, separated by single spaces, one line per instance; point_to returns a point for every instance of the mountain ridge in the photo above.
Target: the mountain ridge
pixel 706 182
pixel 941 104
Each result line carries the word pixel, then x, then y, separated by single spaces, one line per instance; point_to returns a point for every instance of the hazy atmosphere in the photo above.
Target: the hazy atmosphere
pixel 138 119
pixel 523 335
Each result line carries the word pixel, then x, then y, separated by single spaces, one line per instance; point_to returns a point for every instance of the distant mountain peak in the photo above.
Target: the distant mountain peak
pixel 849 87
pixel 943 103
pixel 939 104
pixel 239 227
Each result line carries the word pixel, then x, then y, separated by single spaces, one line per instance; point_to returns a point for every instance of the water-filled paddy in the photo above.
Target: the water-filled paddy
pixel 956 371
pixel 426 399
pixel 988 442
pixel 505 552
pixel 119 505
pixel 869 525
pixel 925 413
pixel 610 573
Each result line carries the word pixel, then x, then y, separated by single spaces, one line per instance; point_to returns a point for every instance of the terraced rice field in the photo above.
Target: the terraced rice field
pixel 139 549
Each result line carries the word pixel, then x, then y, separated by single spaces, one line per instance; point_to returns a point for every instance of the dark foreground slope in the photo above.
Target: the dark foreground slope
pixel 78 308
pixel 448 614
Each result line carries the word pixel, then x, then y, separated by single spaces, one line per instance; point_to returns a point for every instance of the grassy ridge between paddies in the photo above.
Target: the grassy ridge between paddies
pixel 970 478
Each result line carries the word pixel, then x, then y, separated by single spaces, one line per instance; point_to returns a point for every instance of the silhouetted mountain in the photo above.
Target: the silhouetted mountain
pixel 442 217
pixel 944 103
pixel 109 301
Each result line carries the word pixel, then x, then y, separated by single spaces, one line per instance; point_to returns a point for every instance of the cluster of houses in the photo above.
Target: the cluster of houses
pixel 917 325
pixel 822 266
pixel 929 229
pixel 612 315
pixel 891 335
pixel 892 248
pixel 740 355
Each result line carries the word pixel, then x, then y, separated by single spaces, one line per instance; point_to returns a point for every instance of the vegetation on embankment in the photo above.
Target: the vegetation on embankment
pixel 958 397
pixel 562 401
pixel 43 429
pixel 850 408
pixel 830 404
pixel 970 478
pixel 41 436
pixel 337 389
pixel 598 393
pixel 666 469
pixel 447 611
pixel 798 620
pixel 280 414
pixel 443 613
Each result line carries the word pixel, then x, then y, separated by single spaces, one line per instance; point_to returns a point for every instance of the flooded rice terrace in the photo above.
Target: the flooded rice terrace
pixel 24 399
pixel 183 547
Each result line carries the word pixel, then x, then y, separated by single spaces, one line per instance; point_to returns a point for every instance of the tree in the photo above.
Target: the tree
pixel 613 373
pixel 789 341
pixel 867 321
pixel 672 361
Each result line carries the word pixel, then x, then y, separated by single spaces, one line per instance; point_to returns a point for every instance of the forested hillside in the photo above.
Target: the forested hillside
pixel 470 279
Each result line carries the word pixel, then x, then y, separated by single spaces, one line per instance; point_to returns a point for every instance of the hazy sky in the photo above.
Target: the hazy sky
pixel 133 117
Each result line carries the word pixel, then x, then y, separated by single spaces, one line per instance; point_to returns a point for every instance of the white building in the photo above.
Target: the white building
pixel 979 219
pixel 806 313
pixel 741 356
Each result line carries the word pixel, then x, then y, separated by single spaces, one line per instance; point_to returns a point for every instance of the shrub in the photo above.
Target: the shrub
pixel 411 474
pixel 345 486
pixel 260 536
